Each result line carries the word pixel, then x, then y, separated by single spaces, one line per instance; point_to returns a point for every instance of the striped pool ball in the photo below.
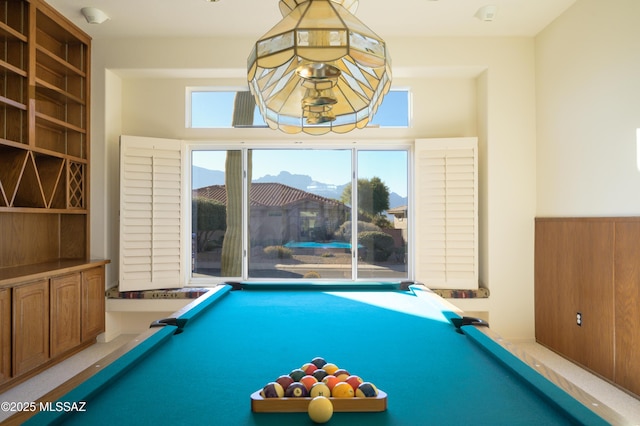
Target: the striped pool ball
pixel 341 374
pixel 309 368
pixel 354 381
pixel 272 390
pixel 367 390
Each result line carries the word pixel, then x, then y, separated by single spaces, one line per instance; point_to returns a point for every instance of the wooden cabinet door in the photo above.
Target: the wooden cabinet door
pixel 93 320
pixel 30 326
pixel 65 313
pixel 5 334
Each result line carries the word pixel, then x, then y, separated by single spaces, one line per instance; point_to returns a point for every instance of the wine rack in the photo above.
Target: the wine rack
pixel 44 134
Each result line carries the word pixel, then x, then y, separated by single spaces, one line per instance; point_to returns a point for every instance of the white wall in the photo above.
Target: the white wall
pixel 462 87
pixel 588 96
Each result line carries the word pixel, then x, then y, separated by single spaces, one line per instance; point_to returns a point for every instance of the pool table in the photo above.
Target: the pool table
pixel 233 340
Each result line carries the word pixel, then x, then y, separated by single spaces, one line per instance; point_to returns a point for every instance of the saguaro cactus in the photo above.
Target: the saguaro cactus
pixel 231 262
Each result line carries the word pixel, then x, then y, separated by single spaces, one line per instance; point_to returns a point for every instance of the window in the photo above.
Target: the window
pixel 394 110
pixel 227 108
pixel 164 230
pixel 302 218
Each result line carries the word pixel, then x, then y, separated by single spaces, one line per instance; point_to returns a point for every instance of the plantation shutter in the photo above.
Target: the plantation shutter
pixel 151 212
pixel 447 213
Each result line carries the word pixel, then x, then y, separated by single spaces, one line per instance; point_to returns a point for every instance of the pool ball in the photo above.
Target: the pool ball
pixel 330 368
pixel 272 390
pixel 320 409
pixel 341 374
pixel 319 389
pixel 320 374
pixel 284 380
pixel 308 381
pixel 318 362
pixel 367 390
pixel 354 381
pixel 297 374
pixel 309 368
pixel 296 390
pixel 330 381
pixel 342 390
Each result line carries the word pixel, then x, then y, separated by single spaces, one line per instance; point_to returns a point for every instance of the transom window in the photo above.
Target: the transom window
pixel 227 108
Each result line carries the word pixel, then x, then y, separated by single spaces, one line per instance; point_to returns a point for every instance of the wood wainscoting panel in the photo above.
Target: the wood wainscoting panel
pixel 574 276
pixel 627 308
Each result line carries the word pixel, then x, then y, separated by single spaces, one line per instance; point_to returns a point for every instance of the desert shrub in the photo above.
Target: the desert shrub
pixel 378 246
pixel 311 274
pixel 382 221
pixel 344 231
pixel 277 252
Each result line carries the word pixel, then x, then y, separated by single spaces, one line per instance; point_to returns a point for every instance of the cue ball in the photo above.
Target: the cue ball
pixel 320 409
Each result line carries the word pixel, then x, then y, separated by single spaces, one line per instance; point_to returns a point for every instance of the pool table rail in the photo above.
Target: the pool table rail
pixel 545 380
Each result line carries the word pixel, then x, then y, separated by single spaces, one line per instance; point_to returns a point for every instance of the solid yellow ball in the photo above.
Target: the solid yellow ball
pixel 320 409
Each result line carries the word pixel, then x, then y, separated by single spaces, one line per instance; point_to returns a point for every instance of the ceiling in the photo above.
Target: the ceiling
pixel 253 18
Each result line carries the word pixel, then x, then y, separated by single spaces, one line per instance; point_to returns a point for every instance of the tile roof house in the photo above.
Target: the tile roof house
pixel 281 213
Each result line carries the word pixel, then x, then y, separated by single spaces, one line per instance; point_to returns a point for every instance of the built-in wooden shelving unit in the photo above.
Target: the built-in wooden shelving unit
pixel 45 271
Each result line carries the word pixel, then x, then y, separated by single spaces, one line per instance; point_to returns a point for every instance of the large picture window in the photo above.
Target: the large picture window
pixel 330 214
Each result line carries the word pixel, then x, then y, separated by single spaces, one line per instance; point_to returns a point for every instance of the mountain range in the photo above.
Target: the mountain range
pixel 202 177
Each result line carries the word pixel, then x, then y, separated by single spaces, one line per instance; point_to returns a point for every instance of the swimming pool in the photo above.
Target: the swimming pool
pixel 320 245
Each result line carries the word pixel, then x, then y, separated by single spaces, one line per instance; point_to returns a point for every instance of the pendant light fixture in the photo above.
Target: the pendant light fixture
pixel 320 69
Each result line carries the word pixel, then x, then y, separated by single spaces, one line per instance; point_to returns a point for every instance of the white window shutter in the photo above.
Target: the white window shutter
pixel 446 207
pixel 151 209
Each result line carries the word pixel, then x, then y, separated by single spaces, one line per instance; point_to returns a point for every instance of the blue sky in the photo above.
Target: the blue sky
pixel 326 166
pixel 214 109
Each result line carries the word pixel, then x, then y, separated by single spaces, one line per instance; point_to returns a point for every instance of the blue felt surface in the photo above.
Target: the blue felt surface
pixel 432 374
